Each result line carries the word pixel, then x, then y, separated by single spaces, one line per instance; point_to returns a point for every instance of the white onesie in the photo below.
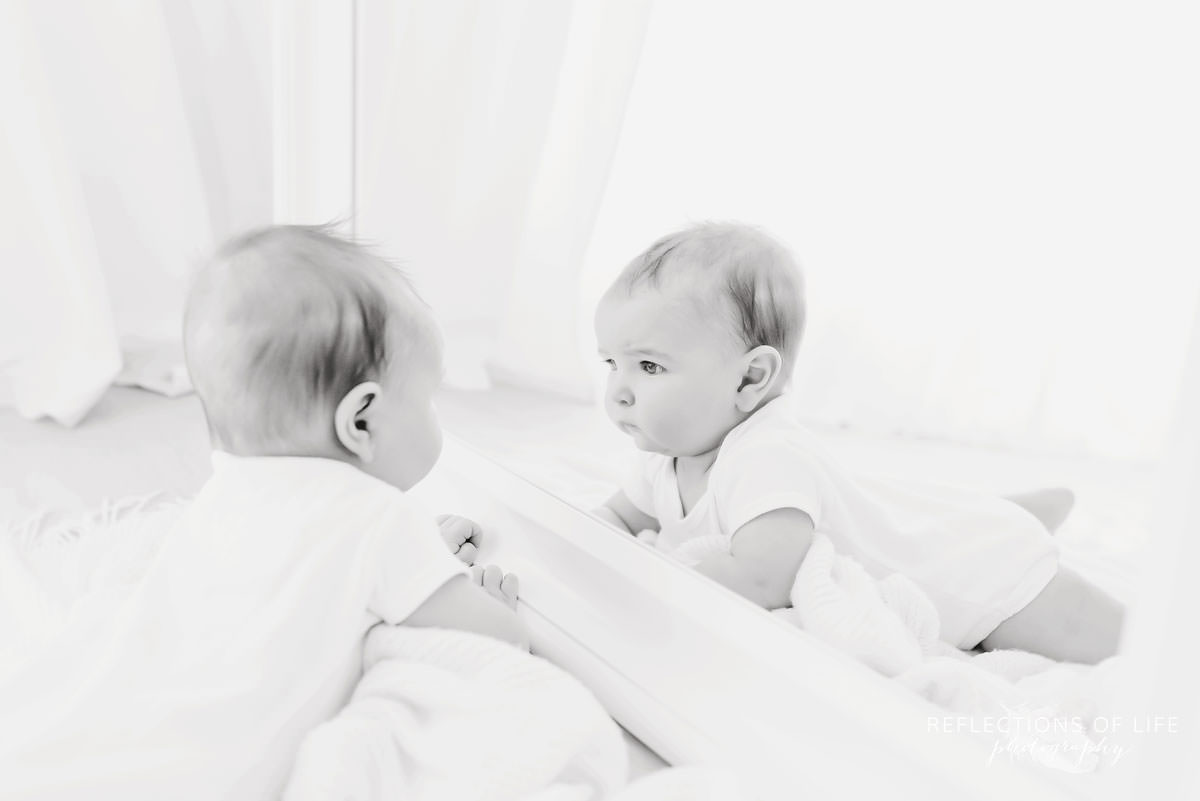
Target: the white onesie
pixel 246 633
pixel 980 558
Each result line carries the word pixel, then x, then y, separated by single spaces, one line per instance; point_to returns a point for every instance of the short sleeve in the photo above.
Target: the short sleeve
pixel 761 475
pixel 637 486
pixel 410 562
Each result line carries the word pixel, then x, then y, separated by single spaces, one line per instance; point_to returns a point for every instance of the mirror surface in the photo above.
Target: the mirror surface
pixel 965 234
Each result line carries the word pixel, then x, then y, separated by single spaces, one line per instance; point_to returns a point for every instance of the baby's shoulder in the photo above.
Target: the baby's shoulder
pixel 779 448
pixel 773 435
pixel 356 504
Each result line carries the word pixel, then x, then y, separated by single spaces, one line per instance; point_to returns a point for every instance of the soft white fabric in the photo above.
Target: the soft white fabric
pixel 59 552
pixel 892 626
pixel 486 133
pixel 244 633
pixel 132 141
pixel 979 558
pixel 437 714
pixel 444 714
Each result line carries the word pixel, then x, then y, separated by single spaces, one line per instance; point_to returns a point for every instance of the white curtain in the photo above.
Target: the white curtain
pixel 136 134
pixel 470 140
pixel 485 135
pixel 995 203
pixel 990 201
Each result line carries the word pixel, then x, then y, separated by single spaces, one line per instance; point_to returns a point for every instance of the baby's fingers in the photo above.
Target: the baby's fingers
pixel 510 589
pixel 466 553
pixel 496 583
pixel 492 577
pixel 455 530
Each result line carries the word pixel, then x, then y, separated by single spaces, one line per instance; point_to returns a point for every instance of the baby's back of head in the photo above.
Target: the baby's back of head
pixel 281 323
pixel 740 276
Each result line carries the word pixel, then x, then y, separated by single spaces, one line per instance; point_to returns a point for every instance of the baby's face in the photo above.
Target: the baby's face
pixel 406 433
pixel 674 371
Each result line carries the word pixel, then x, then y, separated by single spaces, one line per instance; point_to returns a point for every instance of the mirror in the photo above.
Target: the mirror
pixel 966 236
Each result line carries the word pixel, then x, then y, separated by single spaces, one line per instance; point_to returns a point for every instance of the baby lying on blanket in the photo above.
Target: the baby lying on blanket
pixel 700 333
pixel 315 362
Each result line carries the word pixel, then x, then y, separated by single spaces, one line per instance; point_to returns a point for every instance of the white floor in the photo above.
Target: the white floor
pixel 135 442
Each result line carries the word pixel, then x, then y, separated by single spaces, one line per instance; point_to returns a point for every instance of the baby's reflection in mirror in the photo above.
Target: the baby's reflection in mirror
pixel 700 333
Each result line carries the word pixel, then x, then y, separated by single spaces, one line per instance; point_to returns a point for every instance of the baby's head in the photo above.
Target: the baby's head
pixel 699 331
pixel 300 343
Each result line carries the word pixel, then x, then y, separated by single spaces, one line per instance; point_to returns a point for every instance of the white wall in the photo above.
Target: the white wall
pixel 990 201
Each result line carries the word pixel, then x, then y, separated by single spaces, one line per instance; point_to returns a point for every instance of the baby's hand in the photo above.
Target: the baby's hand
pixel 496 583
pixel 462 536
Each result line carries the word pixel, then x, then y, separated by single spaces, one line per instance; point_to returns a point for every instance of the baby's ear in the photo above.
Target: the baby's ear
pixel 762 366
pixel 352 420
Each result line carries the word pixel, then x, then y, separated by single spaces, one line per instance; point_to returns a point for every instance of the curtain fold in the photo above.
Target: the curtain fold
pixel 136 135
pixel 992 242
pixel 58 338
pixel 485 136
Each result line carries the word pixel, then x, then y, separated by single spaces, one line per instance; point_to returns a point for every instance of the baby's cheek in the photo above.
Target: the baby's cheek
pixel 674 426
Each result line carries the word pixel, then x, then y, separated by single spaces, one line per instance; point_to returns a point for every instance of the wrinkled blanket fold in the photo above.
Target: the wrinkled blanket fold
pixel 445 714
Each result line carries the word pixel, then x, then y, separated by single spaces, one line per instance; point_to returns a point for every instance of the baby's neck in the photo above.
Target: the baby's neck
pixel 315 448
pixel 698 464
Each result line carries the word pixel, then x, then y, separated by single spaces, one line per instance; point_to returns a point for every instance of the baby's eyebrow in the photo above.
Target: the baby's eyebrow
pixel 633 351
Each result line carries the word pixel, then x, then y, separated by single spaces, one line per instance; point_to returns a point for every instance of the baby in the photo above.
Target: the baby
pixel 316 365
pixel 700 333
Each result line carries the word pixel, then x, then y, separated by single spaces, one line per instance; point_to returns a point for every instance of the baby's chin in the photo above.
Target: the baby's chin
pixel 644 443
pixel 640 440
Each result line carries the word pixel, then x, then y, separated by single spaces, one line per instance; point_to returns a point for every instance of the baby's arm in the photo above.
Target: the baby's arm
pixel 764 556
pixel 619 511
pixel 484 604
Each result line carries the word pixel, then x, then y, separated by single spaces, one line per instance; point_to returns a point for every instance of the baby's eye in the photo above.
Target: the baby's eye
pixel 611 364
pixel 651 368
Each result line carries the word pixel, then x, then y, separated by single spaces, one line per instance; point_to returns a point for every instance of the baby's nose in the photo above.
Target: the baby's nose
pixel 621 395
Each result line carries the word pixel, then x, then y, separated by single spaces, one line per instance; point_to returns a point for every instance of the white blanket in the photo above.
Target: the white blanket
pixel 438 714
pixel 892 626
pixel 444 714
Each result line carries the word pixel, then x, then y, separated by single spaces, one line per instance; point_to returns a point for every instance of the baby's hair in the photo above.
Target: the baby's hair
pixel 756 275
pixel 281 323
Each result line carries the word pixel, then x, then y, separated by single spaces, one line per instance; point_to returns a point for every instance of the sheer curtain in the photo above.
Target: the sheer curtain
pixel 471 140
pixel 992 202
pixel 135 135
pixel 485 132
pixel 989 201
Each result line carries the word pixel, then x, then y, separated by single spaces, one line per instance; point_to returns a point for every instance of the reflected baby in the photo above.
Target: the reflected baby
pixel 700 333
